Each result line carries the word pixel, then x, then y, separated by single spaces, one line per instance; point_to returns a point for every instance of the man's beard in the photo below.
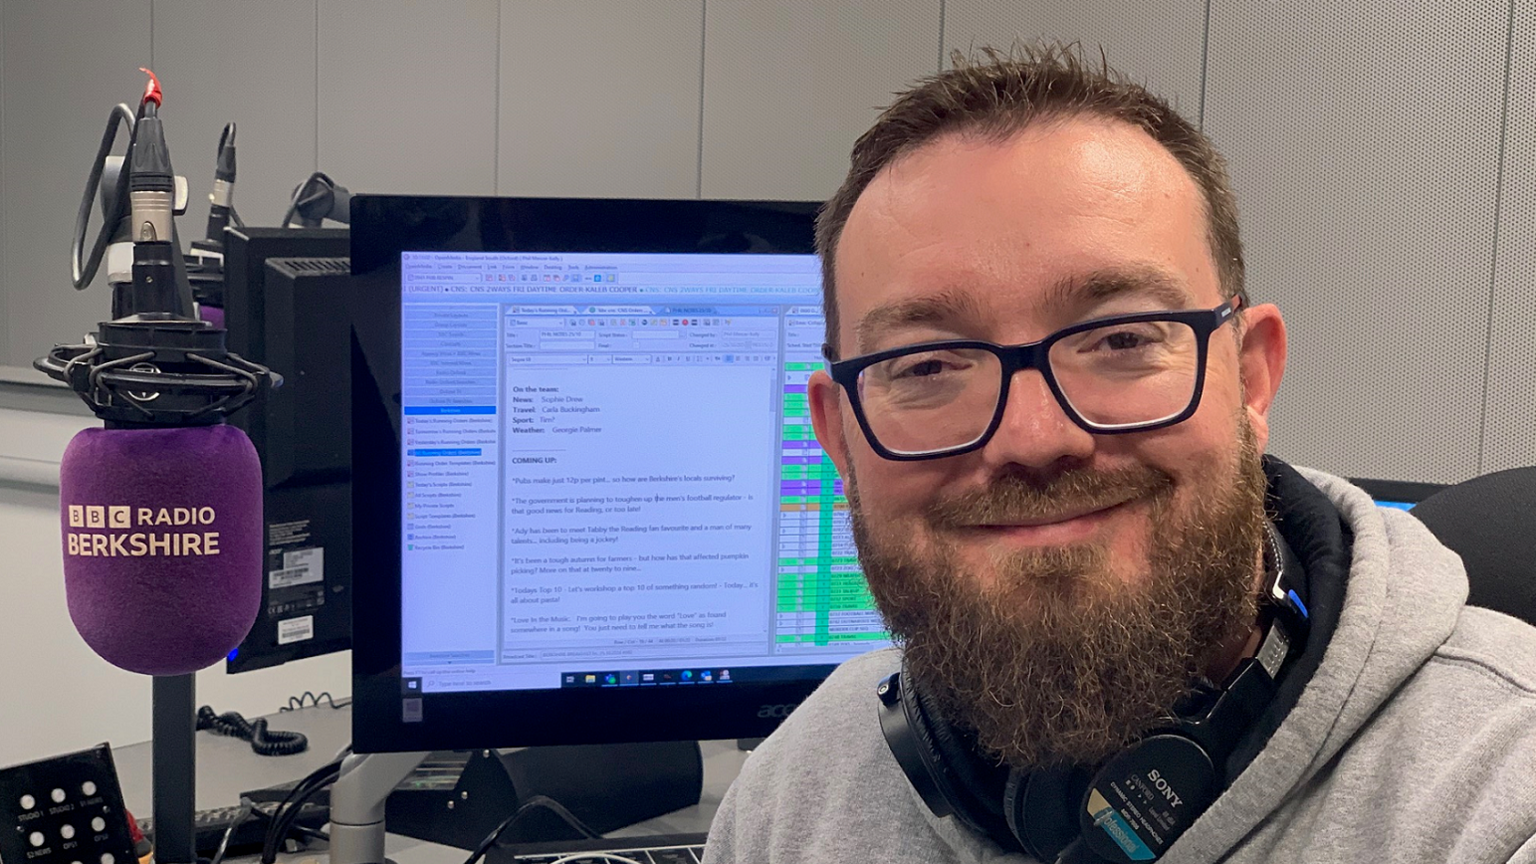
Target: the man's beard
pixel 1060 661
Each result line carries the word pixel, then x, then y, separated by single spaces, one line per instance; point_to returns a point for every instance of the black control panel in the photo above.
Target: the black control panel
pixel 64 810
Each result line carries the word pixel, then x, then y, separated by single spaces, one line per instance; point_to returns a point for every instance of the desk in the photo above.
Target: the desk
pixel 226 767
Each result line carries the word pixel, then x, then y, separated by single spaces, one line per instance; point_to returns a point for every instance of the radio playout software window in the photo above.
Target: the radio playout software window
pixel 610 477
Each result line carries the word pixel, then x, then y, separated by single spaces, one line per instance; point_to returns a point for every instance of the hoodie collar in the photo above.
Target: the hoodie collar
pixel 1404 594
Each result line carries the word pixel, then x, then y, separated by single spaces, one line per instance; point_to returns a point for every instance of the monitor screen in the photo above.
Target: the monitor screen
pixel 608 493
pixel 610 474
pixel 1396 494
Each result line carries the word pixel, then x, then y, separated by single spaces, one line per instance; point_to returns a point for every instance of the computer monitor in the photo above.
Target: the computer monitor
pixel 590 506
pixel 285 306
pixel 1397 494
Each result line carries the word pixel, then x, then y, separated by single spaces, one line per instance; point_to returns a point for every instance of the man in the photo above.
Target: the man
pixel 1078 546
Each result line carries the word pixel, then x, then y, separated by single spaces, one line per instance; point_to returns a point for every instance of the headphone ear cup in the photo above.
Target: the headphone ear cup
pixel 1142 800
pixel 946 773
pixel 1041 808
pixel 950 763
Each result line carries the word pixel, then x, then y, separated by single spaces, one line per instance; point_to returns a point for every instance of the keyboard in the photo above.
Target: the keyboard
pixel 661 849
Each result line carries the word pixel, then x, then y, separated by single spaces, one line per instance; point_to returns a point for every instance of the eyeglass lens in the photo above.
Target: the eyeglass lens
pixel 1119 376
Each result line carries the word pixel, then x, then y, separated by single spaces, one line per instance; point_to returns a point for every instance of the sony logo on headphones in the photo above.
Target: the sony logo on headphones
pixel 1161 783
pixel 776 711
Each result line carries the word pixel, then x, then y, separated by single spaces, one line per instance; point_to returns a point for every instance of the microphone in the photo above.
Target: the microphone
pixel 221 199
pixel 161 508
pixel 205 260
pixel 163 547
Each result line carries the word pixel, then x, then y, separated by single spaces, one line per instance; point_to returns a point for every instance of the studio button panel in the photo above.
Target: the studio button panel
pixel 64 810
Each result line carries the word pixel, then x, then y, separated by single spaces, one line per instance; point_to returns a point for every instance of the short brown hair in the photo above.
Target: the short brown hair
pixel 997 95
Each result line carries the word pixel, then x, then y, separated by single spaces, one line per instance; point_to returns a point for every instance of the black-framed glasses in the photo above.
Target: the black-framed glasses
pixel 1126 373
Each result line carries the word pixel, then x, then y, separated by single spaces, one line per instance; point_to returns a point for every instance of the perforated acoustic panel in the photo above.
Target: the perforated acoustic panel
pixel 789 85
pixel 1160 44
pixel 407 95
pixel 1363 142
pixel 1509 439
pixel 631 105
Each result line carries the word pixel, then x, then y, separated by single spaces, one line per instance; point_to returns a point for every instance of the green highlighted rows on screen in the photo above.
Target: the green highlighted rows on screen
pixel 824 638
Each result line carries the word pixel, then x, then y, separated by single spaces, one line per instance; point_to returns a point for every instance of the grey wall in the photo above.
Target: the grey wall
pixel 1508 434
pixel 1381 153
pixel 1367 168
pixel 789 85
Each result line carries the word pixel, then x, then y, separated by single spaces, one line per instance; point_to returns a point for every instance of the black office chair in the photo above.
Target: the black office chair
pixel 1490 521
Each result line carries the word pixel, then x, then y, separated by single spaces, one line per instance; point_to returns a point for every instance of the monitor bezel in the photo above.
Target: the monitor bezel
pixel 383 227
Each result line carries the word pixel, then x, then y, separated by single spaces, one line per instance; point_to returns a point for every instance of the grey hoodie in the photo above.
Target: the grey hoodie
pixel 1415 740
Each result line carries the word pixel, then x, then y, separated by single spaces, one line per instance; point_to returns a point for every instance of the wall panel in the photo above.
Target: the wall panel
pixel 408 95
pixel 600 98
pixel 1509 437
pixel 1158 44
pixel 5 336
pixel 1363 142
pixel 788 86
pixel 58 82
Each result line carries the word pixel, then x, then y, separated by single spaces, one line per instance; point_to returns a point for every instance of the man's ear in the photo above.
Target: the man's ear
pixel 1261 361
pixel 825 400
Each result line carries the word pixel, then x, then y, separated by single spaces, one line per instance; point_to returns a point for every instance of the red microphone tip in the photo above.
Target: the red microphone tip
pixel 152 89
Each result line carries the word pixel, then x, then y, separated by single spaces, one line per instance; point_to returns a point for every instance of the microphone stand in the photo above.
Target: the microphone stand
pixel 174 749
pixel 159 284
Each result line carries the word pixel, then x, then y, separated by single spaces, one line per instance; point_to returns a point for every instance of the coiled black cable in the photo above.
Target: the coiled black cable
pixel 308 699
pixel 264 742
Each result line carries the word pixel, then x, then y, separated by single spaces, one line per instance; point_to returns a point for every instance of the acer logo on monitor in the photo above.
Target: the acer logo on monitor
pixel 776 711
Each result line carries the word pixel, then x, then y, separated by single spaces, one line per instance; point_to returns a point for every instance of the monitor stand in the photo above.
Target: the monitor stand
pixel 357 804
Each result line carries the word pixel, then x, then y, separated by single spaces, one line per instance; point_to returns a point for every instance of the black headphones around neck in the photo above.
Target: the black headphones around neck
pixel 1133 806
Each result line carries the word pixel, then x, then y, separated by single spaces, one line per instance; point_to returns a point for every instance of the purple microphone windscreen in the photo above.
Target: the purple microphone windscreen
pixel 163 552
pixel 212 314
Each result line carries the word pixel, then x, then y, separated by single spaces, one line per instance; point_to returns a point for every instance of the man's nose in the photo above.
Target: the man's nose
pixel 1035 430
